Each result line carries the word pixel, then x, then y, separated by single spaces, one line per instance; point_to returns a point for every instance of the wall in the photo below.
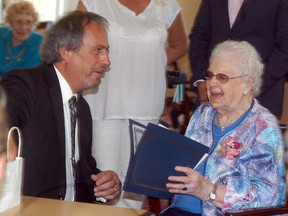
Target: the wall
pixel 70 5
pixel 189 11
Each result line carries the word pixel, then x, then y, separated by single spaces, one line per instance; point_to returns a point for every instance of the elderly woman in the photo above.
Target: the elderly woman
pixel 19 44
pixel 245 165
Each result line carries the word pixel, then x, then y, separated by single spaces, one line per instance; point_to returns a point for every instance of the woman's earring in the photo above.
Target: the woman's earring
pixel 245 92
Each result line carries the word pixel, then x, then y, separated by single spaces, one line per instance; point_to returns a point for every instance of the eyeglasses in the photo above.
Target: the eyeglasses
pixel 222 78
pixel 26 22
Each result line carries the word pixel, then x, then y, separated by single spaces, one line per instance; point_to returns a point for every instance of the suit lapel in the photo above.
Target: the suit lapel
pixel 243 8
pixel 246 4
pixel 57 103
pixel 224 13
pixel 79 125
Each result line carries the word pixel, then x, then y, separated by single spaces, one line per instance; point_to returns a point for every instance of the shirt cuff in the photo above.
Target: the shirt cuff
pixel 195 83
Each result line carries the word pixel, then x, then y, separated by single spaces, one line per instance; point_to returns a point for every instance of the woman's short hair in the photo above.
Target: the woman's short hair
pixel 68 33
pixel 21 7
pixel 248 60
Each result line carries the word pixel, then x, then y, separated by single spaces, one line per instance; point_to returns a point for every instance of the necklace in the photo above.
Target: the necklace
pixel 227 123
pixel 226 120
pixel 10 57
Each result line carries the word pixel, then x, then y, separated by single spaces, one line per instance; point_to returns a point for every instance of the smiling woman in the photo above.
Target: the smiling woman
pixel 243 137
pixel 19 44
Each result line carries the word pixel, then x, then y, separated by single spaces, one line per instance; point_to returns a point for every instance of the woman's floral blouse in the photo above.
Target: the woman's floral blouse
pixel 249 160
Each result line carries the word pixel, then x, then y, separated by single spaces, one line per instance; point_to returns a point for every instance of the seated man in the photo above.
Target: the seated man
pixel 75 58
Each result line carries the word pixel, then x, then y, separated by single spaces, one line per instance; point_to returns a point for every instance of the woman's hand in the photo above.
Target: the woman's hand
pixel 192 183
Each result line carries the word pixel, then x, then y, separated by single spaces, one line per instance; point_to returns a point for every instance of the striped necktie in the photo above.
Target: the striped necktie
pixel 73 118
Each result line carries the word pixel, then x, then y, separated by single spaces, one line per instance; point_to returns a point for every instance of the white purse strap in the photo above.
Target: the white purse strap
pixel 19 140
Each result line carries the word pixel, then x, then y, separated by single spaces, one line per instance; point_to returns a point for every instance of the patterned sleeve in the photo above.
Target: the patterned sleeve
pixel 260 179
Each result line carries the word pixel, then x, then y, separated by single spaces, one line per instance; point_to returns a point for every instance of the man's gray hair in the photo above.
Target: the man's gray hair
pixel 68 32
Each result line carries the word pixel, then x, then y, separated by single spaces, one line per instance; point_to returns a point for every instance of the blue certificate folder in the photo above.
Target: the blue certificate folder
pixel 158 152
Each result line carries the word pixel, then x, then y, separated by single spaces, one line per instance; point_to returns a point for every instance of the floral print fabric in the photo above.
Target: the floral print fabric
pixel 249 159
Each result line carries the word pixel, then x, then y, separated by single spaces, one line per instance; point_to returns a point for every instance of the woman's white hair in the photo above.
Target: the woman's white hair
pixel 248 61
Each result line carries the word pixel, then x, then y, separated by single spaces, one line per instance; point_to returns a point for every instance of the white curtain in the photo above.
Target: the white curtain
pixel 66 5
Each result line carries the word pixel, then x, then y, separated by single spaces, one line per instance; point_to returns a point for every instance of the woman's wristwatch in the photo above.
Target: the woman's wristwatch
pixel 212 194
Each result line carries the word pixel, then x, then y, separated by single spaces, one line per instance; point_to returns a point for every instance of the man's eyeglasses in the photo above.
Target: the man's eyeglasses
pixel 222 78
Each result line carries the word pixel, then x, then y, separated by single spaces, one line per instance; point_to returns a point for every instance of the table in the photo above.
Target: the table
pixel 32 206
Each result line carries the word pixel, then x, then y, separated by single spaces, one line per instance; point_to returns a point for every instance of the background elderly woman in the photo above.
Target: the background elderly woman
pixel 19 44
pixel 245 165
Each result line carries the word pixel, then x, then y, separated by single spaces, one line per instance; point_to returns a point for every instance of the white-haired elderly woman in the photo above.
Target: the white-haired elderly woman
pixel 245 165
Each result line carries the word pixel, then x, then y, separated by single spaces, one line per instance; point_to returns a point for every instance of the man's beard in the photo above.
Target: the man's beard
pixel 89 84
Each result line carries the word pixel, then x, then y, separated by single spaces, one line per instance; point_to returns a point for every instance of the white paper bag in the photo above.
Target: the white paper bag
pixel 10 187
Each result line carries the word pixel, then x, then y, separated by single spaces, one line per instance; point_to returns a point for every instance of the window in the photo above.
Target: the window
pixel 52 9
pixel 48 10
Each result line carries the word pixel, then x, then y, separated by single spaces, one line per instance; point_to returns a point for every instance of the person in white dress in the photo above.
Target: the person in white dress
pixel 144 36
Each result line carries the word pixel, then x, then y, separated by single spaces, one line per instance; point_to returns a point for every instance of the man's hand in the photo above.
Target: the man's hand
pixel 107 185
pixel 2 165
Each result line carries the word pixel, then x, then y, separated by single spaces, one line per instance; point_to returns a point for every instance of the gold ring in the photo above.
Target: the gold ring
pixel 114 188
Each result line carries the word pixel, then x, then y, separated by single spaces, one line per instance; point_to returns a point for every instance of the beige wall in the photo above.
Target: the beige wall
pixel 189 11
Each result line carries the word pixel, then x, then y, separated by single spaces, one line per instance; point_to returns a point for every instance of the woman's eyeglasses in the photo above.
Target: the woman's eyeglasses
pixel 24 22
pixel 222 78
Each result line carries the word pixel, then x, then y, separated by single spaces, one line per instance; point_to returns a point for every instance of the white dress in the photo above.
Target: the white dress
pixel 135 85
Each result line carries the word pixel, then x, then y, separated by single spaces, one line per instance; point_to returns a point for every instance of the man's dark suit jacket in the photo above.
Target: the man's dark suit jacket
pixel 263 23
pixel 35 105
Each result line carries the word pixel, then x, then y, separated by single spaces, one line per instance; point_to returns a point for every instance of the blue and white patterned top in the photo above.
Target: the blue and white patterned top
pixel 255 177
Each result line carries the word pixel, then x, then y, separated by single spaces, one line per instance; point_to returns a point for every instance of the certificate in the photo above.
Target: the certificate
pixel 157 153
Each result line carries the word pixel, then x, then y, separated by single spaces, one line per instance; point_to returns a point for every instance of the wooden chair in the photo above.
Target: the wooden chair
pixel 155 205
